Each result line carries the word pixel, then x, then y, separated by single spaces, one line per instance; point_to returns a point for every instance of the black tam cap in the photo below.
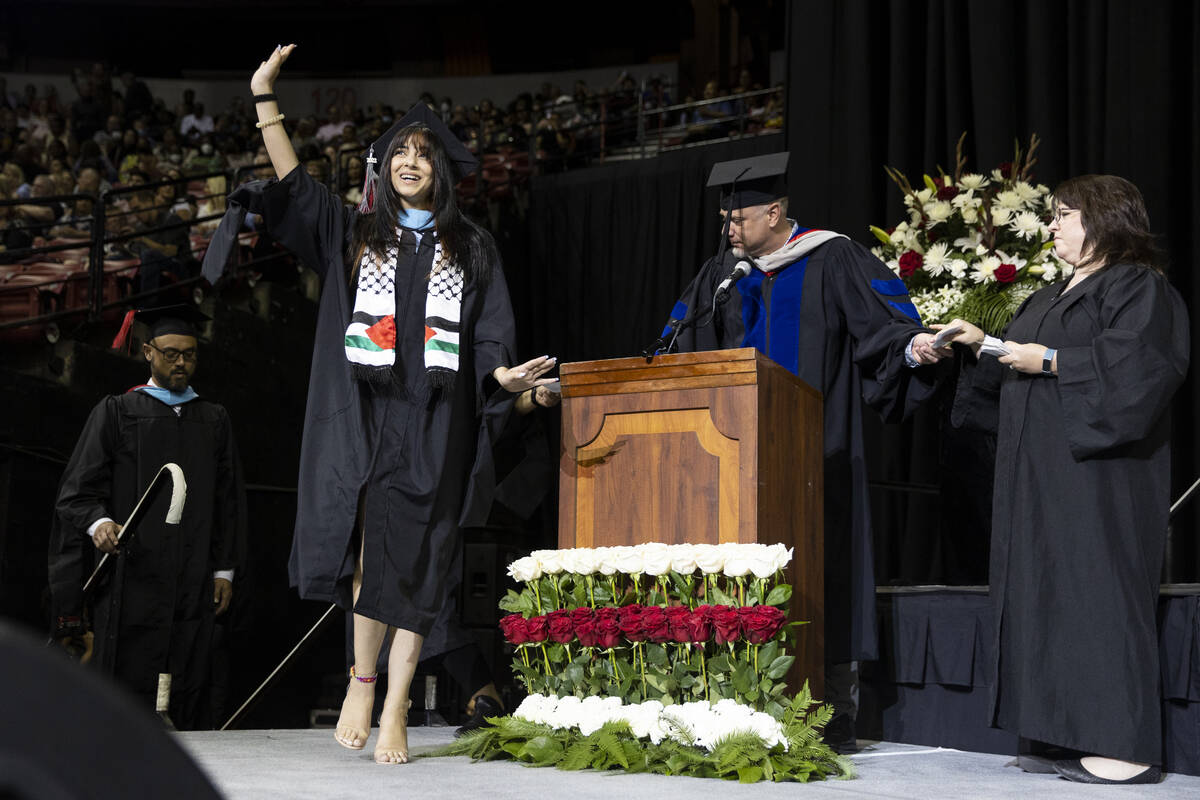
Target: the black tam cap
pixel 460 157
pixel 179 320
pixel 750 181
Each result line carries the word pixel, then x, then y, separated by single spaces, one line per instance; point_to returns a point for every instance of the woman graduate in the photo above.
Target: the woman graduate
pixel 1083 460
pixel 408 389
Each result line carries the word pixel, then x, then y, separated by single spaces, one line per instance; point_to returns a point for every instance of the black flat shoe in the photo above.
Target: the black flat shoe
pixel 840 735
pixel 484 707
pixel 1073 770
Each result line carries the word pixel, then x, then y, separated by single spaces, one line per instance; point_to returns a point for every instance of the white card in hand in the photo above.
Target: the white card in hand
pixel 994 347
pixel 555 387
pixel 945 335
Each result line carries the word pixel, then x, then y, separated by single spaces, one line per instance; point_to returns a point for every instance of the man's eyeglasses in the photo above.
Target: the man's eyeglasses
pixel 172 355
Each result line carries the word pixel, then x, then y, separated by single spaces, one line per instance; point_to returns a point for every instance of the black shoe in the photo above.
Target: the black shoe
pixel 840 735
pixel 484 707
pixel 1073 770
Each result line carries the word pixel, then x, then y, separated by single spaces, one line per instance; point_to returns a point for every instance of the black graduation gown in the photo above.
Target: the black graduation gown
pixel 153 610
pixel 423 456
pixel 1079 519
pixel 840 320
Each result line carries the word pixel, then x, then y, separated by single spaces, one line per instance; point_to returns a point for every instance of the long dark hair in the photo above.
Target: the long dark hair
pixel 463 242
pixel 1116 227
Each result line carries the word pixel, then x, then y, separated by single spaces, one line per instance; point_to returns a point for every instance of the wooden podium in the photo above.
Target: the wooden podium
pixel 719 446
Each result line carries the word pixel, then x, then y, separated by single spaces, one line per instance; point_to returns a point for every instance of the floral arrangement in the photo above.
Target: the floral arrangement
pixel 722 740
pixel 974 246
pixel 656 658
pixel 672 623
pixel 699 723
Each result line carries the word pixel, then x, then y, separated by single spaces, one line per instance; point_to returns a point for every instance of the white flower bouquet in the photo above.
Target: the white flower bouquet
pixel 973 246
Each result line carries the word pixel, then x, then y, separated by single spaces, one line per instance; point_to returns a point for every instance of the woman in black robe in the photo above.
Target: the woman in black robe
pixel 1080 407
pixel 395 455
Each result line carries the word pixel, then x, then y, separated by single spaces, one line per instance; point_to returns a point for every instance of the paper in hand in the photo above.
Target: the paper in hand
pixel 994 347
pixel 555 387
pixel 945 335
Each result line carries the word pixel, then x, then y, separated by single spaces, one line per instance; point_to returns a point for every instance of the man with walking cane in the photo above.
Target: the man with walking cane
pixel 153 605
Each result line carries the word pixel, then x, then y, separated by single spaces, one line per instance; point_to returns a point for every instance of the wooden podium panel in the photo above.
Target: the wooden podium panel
pixel 701 448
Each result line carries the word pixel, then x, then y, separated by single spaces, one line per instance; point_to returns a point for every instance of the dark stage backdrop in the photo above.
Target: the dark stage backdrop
pixel 1110 86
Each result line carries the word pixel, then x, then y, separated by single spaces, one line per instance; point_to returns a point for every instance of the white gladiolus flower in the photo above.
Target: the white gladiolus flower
pixel 894 265
pixel 1014 259
pixel 999 176
pixel 970 215
pixel 972 181
pixel 549 560
pixel 966 199
pixel 525 569
pixel 925 195
pixel 1027 225
pixel 969 242
pixel 958 268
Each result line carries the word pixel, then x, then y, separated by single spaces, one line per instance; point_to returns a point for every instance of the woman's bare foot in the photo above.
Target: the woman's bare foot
pixel 392 747
pixel 354 723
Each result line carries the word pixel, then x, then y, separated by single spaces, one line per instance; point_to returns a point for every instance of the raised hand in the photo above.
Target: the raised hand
pixel 525 376
pixel 263 80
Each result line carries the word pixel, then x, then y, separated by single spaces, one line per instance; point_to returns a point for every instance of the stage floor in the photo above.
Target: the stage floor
pixel 251 765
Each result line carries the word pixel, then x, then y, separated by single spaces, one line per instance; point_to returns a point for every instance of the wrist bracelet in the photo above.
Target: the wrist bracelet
pixel 265 98
pixel 275 120
pixel 533 398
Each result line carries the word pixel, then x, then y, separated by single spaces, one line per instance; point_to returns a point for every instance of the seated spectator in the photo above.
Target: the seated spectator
pixel 90 155
pixel 164 247
pixel 205 158
pixel 197 123
pixel 352 182
pixel 333 127
pixel 169 149
pixel 305 134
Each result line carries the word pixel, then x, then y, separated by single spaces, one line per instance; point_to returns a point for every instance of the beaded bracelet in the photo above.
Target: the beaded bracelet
pixel 360 679
pixel 270 121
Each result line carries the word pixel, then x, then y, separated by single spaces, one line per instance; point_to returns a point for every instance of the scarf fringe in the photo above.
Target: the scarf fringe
pixel 440 378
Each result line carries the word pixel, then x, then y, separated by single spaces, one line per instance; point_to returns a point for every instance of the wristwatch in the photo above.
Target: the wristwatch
pixel 1048 361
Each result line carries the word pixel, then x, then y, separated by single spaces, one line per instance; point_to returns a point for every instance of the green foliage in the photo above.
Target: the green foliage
pixel 741 756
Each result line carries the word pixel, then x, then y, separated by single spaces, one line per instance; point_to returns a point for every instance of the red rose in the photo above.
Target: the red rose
pixel 699 627
pixel 581 614
pixel 677 617
pixel 558 623
pixel 1005 273
pixel 947 193
pixel 1006 167
pixel 605 613
pixel 608 633
pixel 586 631
pixel 515 629
pixel 910 262
pixel 536 629
pixel 727 623
pixel 630 621
pixel 655 625
pixel 761 623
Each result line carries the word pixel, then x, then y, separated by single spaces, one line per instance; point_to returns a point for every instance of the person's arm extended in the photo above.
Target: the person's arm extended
pixel 275 138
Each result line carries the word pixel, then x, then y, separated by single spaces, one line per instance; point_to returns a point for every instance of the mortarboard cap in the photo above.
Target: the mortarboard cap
pixel 460 157
pixel 180 320
pixel 750 181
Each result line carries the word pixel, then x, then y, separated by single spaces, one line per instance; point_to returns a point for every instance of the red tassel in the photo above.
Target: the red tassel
pixel 123 335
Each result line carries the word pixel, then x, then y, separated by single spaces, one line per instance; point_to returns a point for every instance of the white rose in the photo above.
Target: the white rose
pixel 567 711
pixel 549 560
pixel 762 562
pixel 656 558
pixel 683 559
pixel 710 559
pixel 579 561
pixel 627 560
pixel 525 569
pixel 782 555
pixel 938 212
pixel 737 561
pixel 604 561
pixel 592 714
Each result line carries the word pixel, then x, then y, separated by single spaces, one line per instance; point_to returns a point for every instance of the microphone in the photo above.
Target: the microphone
pixel 740 271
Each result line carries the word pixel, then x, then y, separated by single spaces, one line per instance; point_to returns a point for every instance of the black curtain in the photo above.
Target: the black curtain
pixel 1108 85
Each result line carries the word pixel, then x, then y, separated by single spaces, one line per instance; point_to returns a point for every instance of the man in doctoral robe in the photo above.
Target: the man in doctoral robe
pixel 827 310
pixel 154 606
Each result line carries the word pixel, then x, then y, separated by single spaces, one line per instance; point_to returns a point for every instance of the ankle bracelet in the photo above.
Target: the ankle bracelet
pixel 363 678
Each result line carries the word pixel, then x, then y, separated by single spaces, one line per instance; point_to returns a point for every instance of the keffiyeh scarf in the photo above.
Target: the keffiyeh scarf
pixel 370 339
